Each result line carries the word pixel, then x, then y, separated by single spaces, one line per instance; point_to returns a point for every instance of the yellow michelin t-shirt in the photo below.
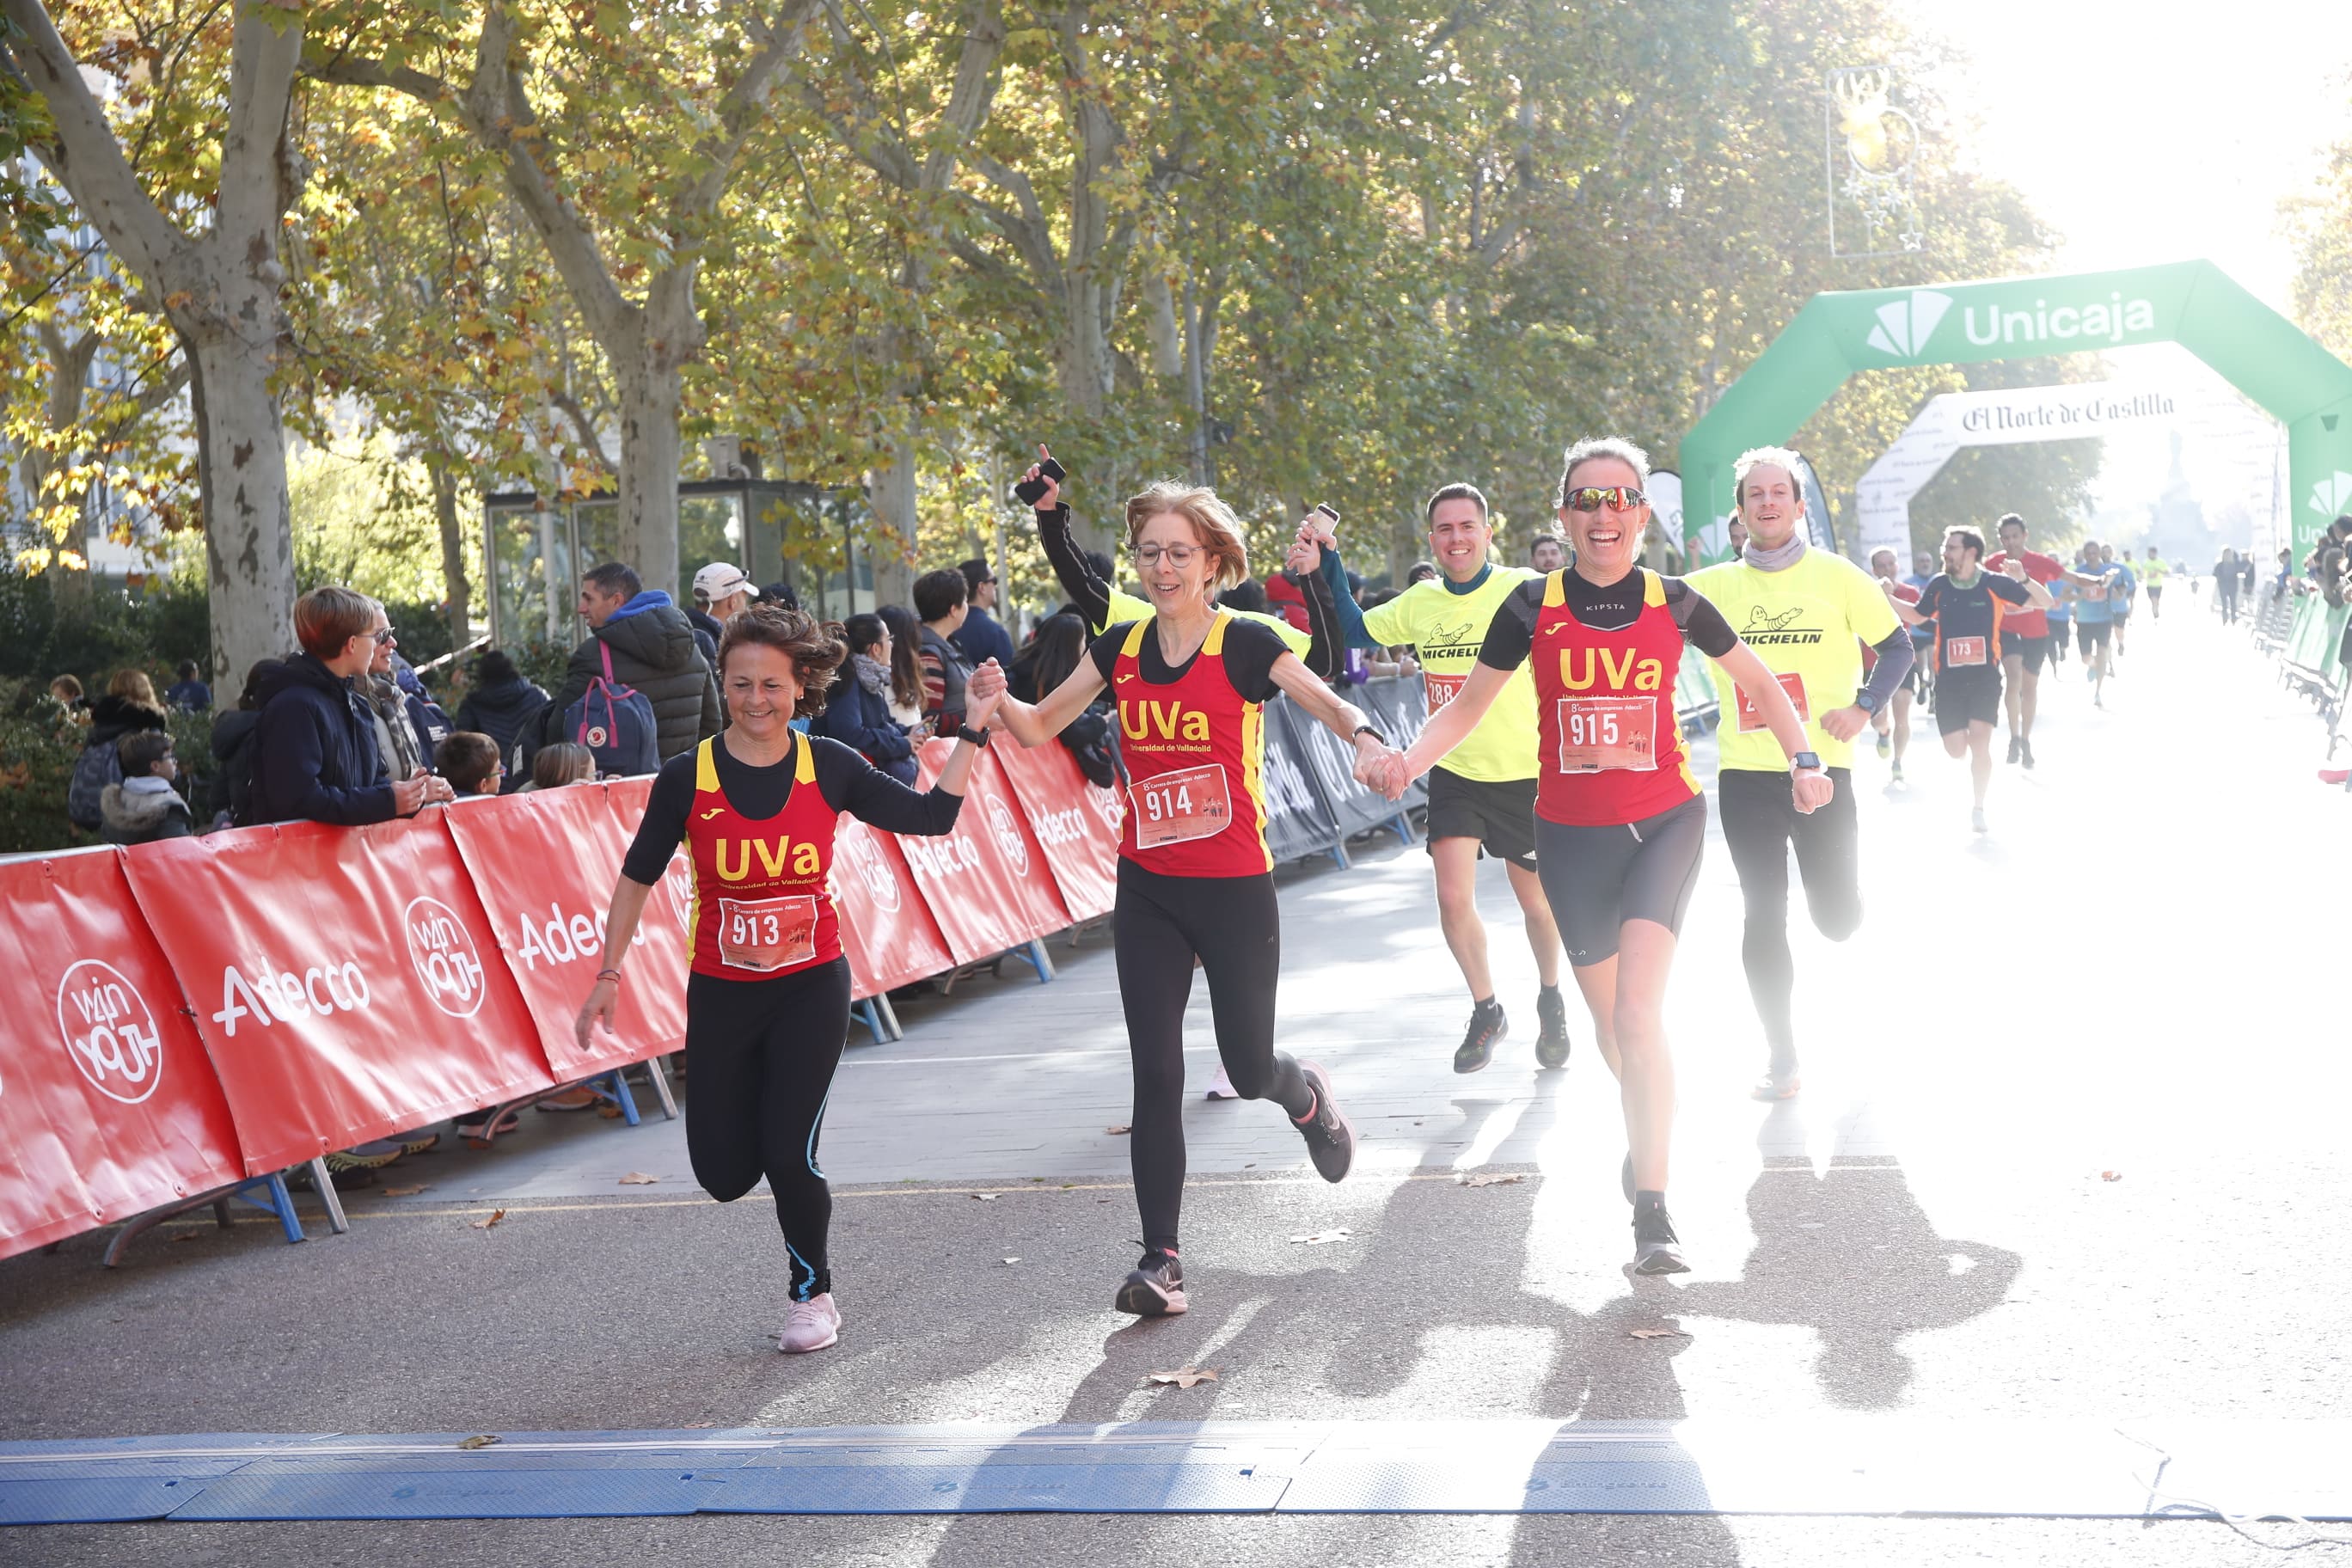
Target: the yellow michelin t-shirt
pixel 1125 607
pixel 1446 630
pixel 1808 623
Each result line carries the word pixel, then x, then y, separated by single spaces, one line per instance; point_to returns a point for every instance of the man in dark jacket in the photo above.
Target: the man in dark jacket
pixel 942 601
pixel 654 650
pixel 982 636
pixel 314 748
pixel 507 708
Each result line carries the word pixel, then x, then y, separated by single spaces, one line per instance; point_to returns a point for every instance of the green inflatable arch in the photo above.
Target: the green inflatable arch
pixel 2193 303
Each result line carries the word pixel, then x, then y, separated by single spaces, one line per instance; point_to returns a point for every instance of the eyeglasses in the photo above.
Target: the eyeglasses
pixel 1616 498
pixel 1178 555
pixel 382 636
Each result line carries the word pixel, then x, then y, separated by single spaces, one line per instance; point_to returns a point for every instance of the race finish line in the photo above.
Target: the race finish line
pixel 1857 1466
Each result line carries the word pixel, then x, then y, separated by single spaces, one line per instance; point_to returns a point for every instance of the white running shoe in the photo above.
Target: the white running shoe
pixel 1221 1087
pixel 811 1325
pixel 1976 818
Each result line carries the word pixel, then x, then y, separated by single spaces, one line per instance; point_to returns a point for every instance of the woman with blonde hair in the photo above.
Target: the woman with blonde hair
pixel 1191 681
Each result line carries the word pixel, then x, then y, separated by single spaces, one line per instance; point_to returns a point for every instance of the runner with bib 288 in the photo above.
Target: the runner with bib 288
pixel 1807 614
pixel 1620 820
pixel 1194 873
pixel 1482 797
pixel 767 994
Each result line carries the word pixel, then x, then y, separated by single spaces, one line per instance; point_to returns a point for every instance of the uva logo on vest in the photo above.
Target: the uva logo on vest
pixel 1009 839
pixel 280 997
pixel 1623 670
pixel 805 858
pixel 109 1032
pixel 442 949
pixel 1145 718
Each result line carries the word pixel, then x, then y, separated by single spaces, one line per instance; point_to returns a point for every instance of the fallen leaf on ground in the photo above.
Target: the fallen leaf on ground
pixel 1321 1236
pixel 496 1216
pixel 1658 1334
pixel 638 1179
pixel 187 1236
pixel 2111 1175
pixel 985 1197
pixel 1114 1131
pixel 484 1441
pixel 1186 1376
pixel 408 1191
pixel 1012 1260
pixel 1492 1180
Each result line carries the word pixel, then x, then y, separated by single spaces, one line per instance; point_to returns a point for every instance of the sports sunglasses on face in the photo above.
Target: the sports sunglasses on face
pixel 1617 498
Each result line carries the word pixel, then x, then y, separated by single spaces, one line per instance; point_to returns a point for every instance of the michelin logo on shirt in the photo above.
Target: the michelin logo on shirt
pixel 1777 631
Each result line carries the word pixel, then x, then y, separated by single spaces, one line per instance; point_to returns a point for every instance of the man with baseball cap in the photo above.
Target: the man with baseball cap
pixel 720 591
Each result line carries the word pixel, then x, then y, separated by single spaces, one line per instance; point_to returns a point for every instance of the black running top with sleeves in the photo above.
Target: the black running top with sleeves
pixel 1250 652
pixel 846 780
pixel 1511 635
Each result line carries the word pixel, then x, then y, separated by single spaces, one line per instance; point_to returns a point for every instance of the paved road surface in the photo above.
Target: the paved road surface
pixel 2135 973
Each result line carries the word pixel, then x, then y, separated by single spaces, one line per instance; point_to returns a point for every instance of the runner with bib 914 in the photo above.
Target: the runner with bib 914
pixel 1194 874
pixel 767 994
pixel 1620 820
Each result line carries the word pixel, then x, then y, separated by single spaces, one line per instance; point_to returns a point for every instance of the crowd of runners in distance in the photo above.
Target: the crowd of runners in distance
pixel 1553 745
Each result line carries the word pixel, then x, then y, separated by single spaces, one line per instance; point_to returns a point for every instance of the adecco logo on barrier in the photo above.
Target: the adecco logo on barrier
pixel 863 858
pixel 109 1032
pixel 1009 840
pixel 1068 825
pixel 442 949
pixel 280 997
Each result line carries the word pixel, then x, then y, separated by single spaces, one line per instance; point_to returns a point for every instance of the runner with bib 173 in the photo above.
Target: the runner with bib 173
pixel 1482 797
pixel 1620 819
pixel 1194 873
pixel 767 992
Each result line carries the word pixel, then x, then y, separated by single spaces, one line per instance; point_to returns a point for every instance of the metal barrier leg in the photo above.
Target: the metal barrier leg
pixel 1038 958
pixel 659 1076
pixel 890 1017
pixel 1403 826
pixel 867 1014
pixel 618 1079
pixel 322 1181
pixel 1339 856
pixel 281 1203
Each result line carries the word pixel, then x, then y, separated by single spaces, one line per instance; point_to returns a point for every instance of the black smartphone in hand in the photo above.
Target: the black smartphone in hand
pixel 1032 491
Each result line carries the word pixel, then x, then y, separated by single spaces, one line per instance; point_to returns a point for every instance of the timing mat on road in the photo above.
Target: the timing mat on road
pixel 1864 1464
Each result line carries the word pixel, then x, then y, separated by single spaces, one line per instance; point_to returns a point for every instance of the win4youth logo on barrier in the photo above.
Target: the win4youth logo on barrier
pixel 109 1032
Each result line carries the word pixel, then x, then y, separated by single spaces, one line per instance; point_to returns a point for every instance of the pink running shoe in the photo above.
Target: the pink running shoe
pixel 811 1325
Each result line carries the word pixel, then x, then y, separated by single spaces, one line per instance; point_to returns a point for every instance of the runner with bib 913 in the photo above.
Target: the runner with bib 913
pixel 1194 874
pixel 1620 820
pixel 766 994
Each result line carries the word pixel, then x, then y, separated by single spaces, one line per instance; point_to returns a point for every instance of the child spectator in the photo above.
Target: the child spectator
pixel 563 762
pixel 469 761
pixel 144 806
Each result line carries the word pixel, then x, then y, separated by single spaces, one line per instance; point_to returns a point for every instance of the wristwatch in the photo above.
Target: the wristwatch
pixel 977 737
pixel 1375 734
pixel 1804 761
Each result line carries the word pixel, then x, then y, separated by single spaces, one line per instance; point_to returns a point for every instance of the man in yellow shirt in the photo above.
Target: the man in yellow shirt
pixel 1807 614
pixel 1483 795
pixel 2152 572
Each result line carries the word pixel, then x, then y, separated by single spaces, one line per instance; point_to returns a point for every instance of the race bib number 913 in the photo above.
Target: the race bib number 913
pixel 1174 808
pixel 767 935
pixel 1597 733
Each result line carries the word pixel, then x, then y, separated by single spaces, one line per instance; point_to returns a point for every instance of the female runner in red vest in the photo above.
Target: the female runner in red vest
pixel 767 998
pixel 1194 874
pixel 1620 821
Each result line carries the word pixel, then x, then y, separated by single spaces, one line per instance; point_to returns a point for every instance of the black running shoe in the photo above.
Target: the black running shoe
pixel 2012 748
pixel 1331 1139
pixel 1656 1248
pixel 1487 1025
pixel 1156 1288
pixel 1551 1028
pixel 2025 749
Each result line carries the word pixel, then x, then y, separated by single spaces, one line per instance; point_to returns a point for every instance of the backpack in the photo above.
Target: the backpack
pixel 1087 738
pixel 616 722
pixel 98 766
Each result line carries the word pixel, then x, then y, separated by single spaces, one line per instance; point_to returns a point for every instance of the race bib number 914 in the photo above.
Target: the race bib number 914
pixel 1176 807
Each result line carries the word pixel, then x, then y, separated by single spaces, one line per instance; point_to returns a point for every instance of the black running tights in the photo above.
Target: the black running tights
pixel 760 1055
pixel 1235 926
pixel 1759 823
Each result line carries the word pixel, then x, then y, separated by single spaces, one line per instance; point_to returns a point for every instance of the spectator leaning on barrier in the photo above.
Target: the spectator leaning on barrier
pixel 407 728
pixel 314 750
pixel 564 762
pixel 188 692
pixel 654 650
pixel 232 794
pixel 857 707
pixel 982 636
pixel 144 806
pixel 469 761
pixel 906 666
pixel 505 707
pixel 941 600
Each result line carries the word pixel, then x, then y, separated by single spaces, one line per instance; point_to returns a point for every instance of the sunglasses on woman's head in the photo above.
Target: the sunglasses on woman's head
pixel 1617 498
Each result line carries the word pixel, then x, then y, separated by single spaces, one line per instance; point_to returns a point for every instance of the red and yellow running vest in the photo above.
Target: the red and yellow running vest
pixel 761 903
pixel 1611 750
pixel 1195 753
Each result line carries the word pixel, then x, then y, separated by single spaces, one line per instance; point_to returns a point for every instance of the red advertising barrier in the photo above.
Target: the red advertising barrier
pixel 544 865
pixel 986 883
pixel 1074 822
pixel 659 952
pixel 890 937
pixel 108 1105
pixel 345 981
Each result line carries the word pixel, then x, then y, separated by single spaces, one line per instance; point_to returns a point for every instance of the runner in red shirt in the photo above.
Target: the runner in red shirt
pixel 1194 873
pixel 2024 637
pixel 1620 819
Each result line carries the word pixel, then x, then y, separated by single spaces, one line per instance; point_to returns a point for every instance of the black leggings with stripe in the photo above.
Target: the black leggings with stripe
pixel 760 1055
pixel 1236 925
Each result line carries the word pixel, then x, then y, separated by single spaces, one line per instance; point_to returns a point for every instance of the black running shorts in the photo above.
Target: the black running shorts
pixel 1500 815
pixel 2034 651
pixel 1971 694
pixel 1597 879
pixel 2089 635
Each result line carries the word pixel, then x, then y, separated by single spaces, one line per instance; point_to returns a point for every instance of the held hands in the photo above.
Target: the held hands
pixel 1381 768
pixel 1846 723
pixel 981 693
pixel 1052 496
pixel 1811 790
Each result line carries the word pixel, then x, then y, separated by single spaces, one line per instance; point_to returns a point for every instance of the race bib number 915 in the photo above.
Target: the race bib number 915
pixel 767 935
pixel 1174 808
pixel 1597 733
